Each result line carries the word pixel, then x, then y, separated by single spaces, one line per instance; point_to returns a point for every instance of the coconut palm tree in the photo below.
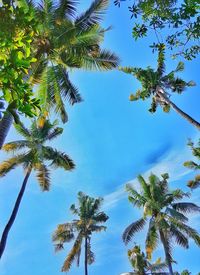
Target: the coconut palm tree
pixel 165 215
pixel 32 153
pixel 81 229
pixel 193 165
pixel 65 41
pixel 160 86
pixel 142 266
pixel 68 41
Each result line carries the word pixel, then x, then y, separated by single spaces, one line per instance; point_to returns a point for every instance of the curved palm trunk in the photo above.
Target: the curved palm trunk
pixel 167 255
pixel 163 98
pixel 14 214
pixel 5 125
pixel 86 256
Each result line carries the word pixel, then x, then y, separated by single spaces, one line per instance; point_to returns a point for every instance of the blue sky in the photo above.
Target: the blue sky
pixel 111 140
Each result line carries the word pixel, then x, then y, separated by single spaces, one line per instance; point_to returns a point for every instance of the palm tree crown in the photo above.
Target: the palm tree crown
pixel 32 152
pixel 89 221
pixel 67 41
pixel 160 86
pixel 164 213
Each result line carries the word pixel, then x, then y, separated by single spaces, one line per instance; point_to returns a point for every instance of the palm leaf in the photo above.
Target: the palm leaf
pixel 43 176
pixel 93 15
pixel 10 164
pixel 22 130
pixel 179 237
pixel 58 159
pixel 175 214
pixel 73 253
pixel 16 145
pixel 66 9
pixel 102 60
pixel 186 207
pixel 132 229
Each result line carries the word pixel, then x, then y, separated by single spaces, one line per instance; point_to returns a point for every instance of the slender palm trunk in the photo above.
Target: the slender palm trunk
pixel 13 214
pixel 163 98
pixel 86 256
pixel 5 125
pixel 167 255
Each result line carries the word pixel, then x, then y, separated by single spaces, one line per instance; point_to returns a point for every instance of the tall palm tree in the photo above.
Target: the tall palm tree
pixel 142 266
pixel 89 221
pixel 32 154
pixel 193 165
pixel 65 41
pixel 160 86
pixel 165 215
pixel 68 41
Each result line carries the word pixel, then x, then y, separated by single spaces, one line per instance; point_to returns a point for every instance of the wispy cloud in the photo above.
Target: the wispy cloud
pixel 172 163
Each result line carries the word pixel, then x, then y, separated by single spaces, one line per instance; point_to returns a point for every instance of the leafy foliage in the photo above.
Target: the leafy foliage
pixel 176 23
pixel 18 28
pixel 90 220
pixel 193 165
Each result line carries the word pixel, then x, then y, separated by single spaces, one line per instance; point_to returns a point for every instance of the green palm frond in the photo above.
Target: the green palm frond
pixel 133 228
pixel 179 237
pixel 100 217
pixel 189 231
pixel 102 60
pixel 73 253
pixel 54 133
pixel 22 130
pixel 97 228
pixel 43 176
pixel 191 165
pixel 186 207
pixel 90 36
pixel 66 9
pixel 144 186
pixel 175 214
pixel 161 62
pixel 59 159
pixel 152 238
pixel 93 15
pixel 68 90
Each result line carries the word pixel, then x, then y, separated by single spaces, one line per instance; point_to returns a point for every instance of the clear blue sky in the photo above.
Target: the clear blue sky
pixel 111 140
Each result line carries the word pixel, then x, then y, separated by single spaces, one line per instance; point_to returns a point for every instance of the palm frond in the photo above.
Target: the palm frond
pixel 59 159
pixel 43 176
pixel 132 229
pixel 189 231
pixel 66 9
pixel 151 239
pixel 16 145
pixel 93 15
pixel 64 233
pixel 73 253
pixel 22 130
pixel 68 90
pixel 175 214
pixel 100 217
pixel 186 207
pixel 179 237
pixel 101 60
pixel 8 165
pixel 54 133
